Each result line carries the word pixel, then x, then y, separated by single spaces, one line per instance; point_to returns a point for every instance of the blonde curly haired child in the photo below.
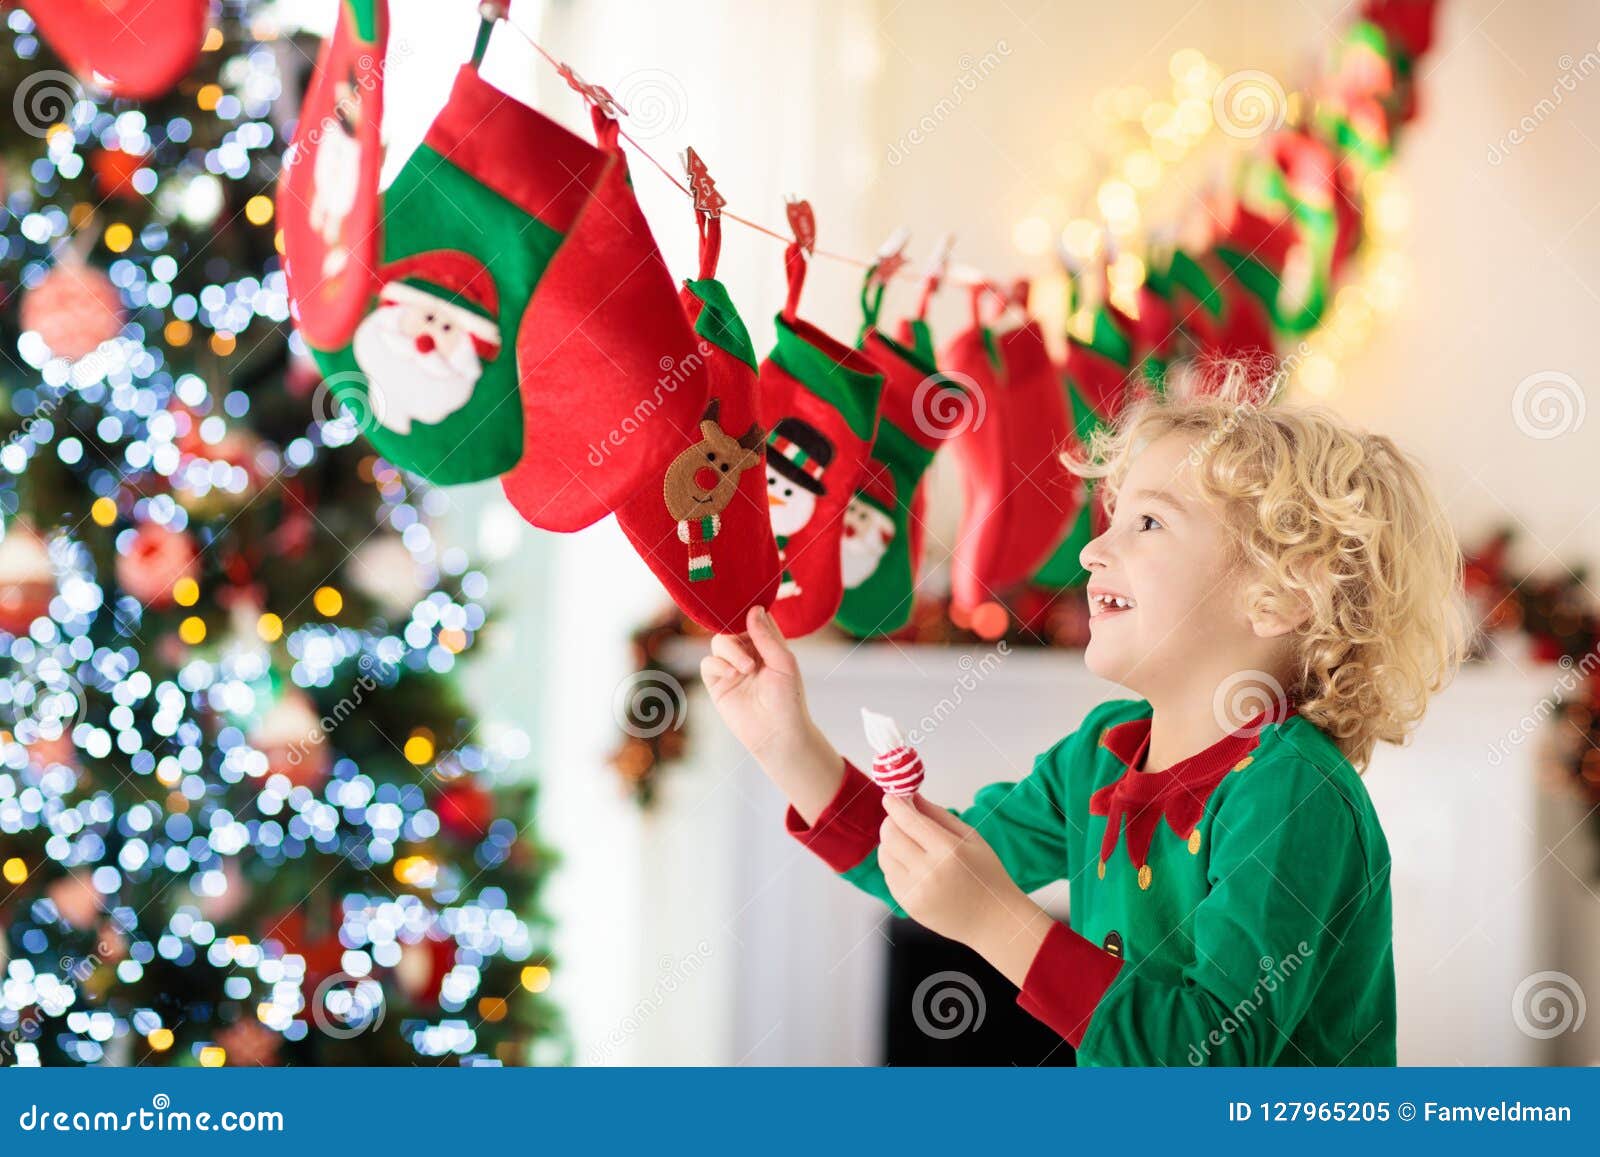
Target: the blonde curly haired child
pixel 1281 592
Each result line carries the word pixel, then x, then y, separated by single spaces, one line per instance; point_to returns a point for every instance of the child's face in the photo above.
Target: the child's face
pixel 1165 592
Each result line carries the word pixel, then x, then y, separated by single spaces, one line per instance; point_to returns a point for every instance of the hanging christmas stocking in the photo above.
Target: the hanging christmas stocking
pixel 469 225
pixel 136 49
pixel 1282 238
pixel 1223 319
pixel 603 352
pixel 328 194
pixel 704 530
pixel 915 334
pixel 919 411
pixel 1102 375
pixel 1019 496
pixel 819 402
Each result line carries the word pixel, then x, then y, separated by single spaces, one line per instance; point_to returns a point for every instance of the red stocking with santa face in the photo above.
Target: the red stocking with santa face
pixel 328 195
pixel 704 530
pixel 819 401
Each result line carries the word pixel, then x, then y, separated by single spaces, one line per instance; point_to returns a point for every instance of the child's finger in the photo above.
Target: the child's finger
pixel 731 650
pixel 893 834
pixel 925 832
pixel 714 670
pixel 769 641
pixel 946 819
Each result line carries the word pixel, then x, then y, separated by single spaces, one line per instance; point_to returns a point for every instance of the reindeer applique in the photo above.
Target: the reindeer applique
pixel 702 480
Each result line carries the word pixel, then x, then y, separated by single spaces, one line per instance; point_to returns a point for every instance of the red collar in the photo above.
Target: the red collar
pixel 1139 799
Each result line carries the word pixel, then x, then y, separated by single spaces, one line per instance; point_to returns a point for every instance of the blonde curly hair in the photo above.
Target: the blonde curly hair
pixel 1336 525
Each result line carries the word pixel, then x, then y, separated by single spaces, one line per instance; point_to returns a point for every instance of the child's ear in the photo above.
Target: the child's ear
pixel 1278 615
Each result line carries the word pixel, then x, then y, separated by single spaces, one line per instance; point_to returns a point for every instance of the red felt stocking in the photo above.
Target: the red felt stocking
pixel 328 193
pixel 603 352
pixel 1019 496
pixel 131 48
pixel 704 528
pixel 819 403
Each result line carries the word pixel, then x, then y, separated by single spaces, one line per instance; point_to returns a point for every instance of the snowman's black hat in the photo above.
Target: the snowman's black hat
pixel 800 452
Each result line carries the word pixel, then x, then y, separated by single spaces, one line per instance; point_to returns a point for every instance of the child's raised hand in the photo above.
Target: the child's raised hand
pixel 754 683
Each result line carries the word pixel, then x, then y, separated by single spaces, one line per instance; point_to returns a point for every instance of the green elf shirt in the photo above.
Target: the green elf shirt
pixel 1233 909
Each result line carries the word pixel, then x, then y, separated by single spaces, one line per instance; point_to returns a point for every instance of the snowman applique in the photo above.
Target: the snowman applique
pixel 797 456
pixel 868 527
pixel 423 348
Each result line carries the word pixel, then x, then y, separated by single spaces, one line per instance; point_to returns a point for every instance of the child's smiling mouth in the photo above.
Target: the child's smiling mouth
pixel 1103 602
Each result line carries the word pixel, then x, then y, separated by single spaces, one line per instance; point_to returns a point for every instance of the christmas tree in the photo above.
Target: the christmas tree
pixel 245 816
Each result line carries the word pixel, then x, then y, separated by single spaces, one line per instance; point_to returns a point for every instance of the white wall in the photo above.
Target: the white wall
pixel 808 99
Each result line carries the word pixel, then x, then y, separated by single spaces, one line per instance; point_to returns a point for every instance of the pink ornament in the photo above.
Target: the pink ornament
pixel 896 766
pixel 27 580
pixel 73 309
pixel 155 561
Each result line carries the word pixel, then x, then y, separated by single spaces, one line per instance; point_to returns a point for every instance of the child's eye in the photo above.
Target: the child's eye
pixel 1148 522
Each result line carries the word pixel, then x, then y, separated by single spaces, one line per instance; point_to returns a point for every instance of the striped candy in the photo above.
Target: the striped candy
pixel 896 766
pixel 898 771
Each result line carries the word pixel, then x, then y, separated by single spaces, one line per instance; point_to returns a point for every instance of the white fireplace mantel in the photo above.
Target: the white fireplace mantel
pixel 789 963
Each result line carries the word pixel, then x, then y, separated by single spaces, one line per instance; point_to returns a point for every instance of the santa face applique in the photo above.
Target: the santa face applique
pixel 423 348
pixel 336 174
pixel 867 534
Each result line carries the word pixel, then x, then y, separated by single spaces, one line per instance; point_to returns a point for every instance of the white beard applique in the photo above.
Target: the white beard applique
pixel 866 537
pixel 417 370
pixel 336 181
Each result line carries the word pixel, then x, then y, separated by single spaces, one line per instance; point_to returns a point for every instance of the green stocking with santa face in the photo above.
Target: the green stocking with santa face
pixel 468 229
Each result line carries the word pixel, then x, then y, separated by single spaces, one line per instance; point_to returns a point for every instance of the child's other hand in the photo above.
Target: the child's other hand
pixel 942 872
pixel 754 683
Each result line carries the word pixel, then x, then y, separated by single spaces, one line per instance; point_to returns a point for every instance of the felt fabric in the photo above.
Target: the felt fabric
pixel 469 227
pixel 136 49
pixel 1217 312
pixel 604 350
pixel 327 201
pixel 703 528
pixel 920 410
pixel 1019 497
pixel 1253 875
pixel 819 404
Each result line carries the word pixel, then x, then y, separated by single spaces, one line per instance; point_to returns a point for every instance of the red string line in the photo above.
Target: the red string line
pixel 944 278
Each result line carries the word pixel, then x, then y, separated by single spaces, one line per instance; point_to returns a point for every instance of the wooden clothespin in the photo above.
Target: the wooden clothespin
pixel 701 187
pixel 803 223
pixel 593 93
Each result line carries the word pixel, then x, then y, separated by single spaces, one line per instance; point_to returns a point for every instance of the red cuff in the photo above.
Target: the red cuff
pixel 847 830
pixel 1066 980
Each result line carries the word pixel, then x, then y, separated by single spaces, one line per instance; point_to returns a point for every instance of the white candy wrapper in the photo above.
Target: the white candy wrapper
pixel 896 766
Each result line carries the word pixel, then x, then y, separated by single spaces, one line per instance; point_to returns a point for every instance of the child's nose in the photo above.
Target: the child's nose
pixel 1093 555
